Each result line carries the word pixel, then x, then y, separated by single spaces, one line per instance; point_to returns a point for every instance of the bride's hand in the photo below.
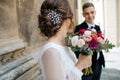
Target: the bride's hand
pixel 84 61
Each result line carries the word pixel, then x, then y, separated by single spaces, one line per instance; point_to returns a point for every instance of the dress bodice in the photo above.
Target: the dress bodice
pixel 68 59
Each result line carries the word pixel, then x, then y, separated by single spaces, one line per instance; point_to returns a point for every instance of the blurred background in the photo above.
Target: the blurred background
pixel 20 41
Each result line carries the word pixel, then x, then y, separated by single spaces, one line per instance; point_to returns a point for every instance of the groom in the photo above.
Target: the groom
pixel 97 58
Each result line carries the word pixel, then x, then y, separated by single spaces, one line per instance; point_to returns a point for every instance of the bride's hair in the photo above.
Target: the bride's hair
pixel 52 15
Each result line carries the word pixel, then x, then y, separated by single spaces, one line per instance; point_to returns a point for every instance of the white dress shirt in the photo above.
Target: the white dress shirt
pixel 89 25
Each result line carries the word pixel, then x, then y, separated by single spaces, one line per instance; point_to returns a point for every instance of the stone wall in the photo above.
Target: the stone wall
pixel 18 18
pixel 19 39
pixel 8 19
pixel 27 11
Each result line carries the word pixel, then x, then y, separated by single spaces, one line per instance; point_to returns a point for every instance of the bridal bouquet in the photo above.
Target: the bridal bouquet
pixel 85 42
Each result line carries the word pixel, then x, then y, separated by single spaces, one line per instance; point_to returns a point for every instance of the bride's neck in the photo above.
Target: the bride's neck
pixel 57 39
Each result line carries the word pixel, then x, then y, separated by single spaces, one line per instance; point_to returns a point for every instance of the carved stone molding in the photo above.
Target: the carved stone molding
pixel 16 72
pixel 11 49
pixel 28 76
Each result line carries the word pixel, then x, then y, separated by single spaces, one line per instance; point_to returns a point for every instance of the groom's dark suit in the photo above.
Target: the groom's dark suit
pixel 96 63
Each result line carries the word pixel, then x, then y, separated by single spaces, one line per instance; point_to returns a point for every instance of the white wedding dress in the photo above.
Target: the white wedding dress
pixel 65 63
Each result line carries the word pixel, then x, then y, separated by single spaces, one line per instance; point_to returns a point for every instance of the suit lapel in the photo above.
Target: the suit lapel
pixel 85 25
pixel 97 28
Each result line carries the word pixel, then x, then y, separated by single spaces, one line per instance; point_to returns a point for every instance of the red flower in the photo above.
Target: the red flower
pixel 81 31
pixel 100 34
pixel 93 44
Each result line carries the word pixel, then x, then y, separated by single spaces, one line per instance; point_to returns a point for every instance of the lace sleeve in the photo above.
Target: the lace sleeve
pixel 75 73
pixel 52 65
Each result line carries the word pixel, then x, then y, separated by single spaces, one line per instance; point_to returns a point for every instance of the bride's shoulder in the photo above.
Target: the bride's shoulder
pixel 49 47
pixel 50 50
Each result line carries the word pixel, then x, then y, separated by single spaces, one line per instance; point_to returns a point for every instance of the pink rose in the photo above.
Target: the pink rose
pixel 87 38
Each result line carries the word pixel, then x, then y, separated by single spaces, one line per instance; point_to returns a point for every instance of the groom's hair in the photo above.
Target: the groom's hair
pixel 86 5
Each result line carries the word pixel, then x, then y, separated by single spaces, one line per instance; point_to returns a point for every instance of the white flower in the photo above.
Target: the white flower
pixel 81 42
pixel 87 32
pixel 74 40
pixel 93 30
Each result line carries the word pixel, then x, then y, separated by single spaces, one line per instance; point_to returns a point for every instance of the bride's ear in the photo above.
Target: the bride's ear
pixel 71 26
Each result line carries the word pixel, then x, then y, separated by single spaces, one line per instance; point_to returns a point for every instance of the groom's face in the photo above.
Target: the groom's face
pixel 89 14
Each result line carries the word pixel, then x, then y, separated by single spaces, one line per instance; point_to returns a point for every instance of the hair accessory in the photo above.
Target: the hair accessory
pixel 55 16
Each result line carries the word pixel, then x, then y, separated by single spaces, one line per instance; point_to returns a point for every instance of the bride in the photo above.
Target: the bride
pixel 56 61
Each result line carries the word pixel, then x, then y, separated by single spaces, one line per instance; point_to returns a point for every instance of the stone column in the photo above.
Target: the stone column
pixel 8 19
pixel 118 22
pixel 84 1
pixel 110 11
pixel 24 14
pixel 27 13
pixel 73 5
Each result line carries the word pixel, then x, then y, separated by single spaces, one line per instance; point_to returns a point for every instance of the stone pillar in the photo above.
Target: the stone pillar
pixel 84 1
pixel 110 11
pixel 118 22
pixel 74 9
pixel 8 19
pixel 24 13
pixel 27 13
